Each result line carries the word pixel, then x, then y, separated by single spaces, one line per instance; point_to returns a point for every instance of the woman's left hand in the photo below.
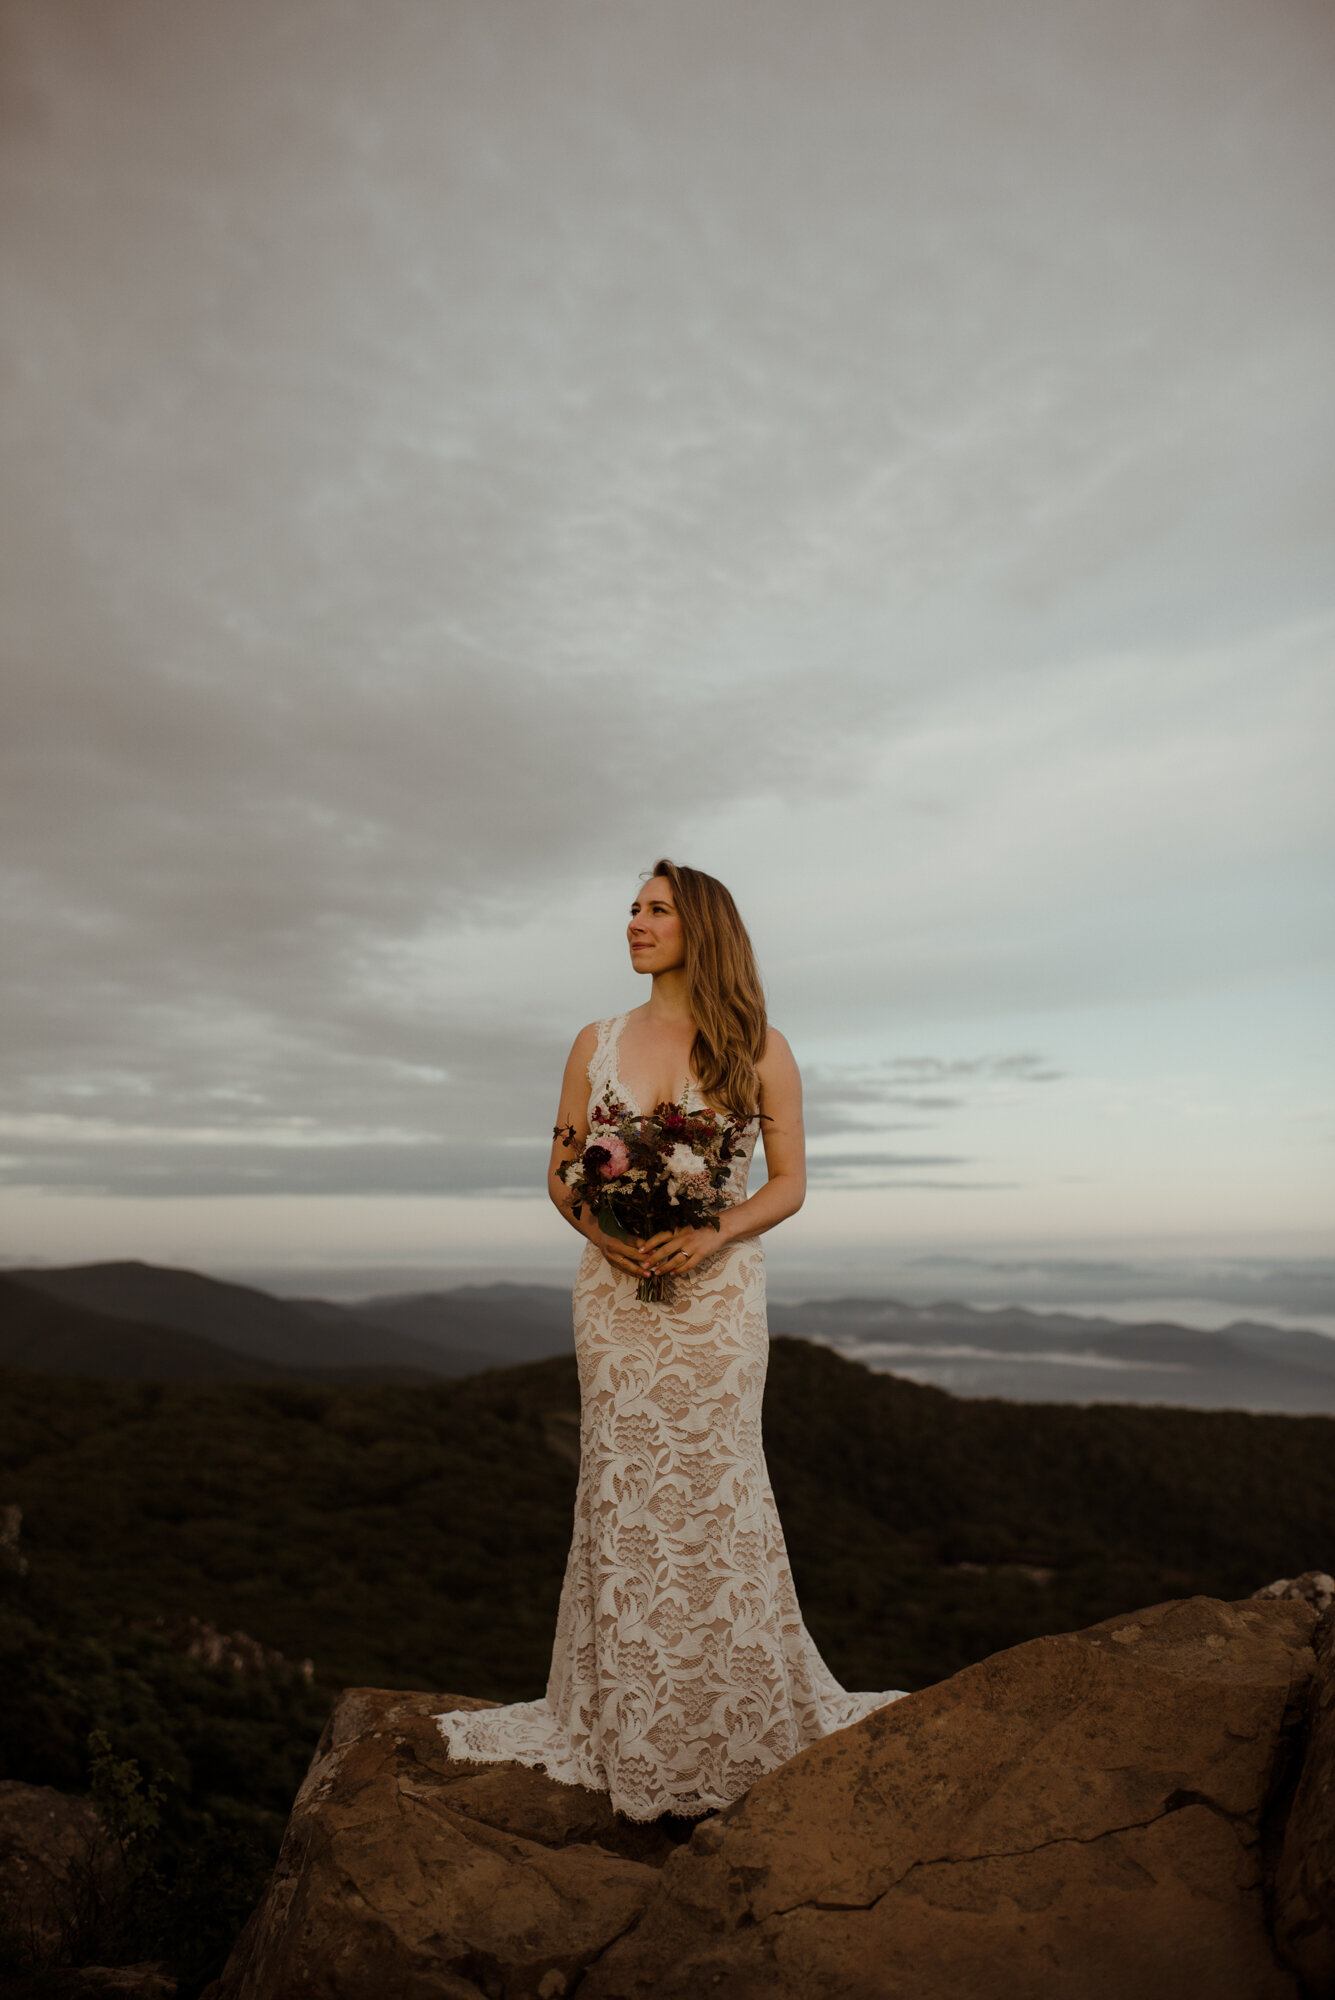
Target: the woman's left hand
pixel 674 1251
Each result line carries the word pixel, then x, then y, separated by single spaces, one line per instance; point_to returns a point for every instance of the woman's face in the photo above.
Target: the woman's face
pixel 654 931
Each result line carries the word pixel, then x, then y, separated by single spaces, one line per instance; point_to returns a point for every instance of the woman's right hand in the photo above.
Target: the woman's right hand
pixel 621 1254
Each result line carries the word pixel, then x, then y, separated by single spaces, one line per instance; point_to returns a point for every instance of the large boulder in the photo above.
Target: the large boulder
pixel 1079 1818
pixel 1085 1817
pixel 406 1876
pixel 1305 1884
pixel 51 1848
pixel 57 1867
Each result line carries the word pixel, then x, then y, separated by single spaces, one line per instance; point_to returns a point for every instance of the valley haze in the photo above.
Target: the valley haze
pixel 122 1319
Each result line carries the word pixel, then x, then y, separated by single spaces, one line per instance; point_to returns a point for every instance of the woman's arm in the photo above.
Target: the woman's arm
pixel 573 1114
pixel 785 1158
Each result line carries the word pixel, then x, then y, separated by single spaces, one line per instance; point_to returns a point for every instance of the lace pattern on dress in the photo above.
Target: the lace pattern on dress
pixel 603 1063
pixel 681 1670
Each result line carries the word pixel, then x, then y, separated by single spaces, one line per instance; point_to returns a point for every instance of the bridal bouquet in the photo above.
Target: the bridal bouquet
pixel 640 1175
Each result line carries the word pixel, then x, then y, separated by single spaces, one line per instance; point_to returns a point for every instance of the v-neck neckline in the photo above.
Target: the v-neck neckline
pixel 627 1096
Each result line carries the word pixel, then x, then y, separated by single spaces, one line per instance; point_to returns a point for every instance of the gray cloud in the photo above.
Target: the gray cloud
pixel 164 1165
pixel 874 1184
pixel 1024 1067
pixel 872 1171
pixel 855 1099
pixel 451 461
pixel 1294 1285
pixel 832 1162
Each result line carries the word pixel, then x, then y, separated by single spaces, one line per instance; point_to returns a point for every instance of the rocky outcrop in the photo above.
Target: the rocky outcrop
pixel 405 1876
pixel 12 1557
pixel 56 1867
pixel 1084 1817
pixel 1080 1816
pixel 237 1650
pixel 46 1836
pixel 1315 1587
pixel 1305 1879
pixel 149 1981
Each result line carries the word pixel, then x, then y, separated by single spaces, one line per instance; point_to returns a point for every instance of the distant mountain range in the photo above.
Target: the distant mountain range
pixel 151 1322
pixel 1036 1357
pixel 53 1336
pixel 135 1319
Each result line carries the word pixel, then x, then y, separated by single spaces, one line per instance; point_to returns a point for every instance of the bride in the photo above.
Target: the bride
pixel 681 1671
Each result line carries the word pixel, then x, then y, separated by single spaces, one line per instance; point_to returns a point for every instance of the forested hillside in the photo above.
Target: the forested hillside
pixel 416 1536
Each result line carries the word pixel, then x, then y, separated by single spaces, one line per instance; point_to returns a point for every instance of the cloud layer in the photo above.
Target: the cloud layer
pixel 455 456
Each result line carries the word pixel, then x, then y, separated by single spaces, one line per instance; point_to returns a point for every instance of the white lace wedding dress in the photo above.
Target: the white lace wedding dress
pixel 682 1671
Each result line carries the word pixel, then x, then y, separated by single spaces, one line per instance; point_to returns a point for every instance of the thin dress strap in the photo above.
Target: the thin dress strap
pixel 602 1063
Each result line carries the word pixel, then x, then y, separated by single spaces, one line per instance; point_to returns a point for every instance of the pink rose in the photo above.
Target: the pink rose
pixel 617 1160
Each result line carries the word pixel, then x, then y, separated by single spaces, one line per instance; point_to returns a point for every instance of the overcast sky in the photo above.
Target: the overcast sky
pixel 457 450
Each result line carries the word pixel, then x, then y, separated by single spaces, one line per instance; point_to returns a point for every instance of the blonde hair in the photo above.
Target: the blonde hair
pixel 723 990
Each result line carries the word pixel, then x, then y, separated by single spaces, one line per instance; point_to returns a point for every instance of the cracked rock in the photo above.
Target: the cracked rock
pixel 1087 1817
pixel 1305 1881
pixel 406 1876
pixel 1075 1819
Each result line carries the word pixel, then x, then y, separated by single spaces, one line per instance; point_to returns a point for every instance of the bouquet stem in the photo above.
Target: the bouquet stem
pixel 652 1291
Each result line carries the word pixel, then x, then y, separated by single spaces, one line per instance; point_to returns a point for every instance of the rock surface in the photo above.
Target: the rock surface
pixel 405 1876
pixel 43 1835
pixel 1079 1816
pixel 1084 1817
pixel 54 1861
pixel 1305 1880
pixel 1315 1587
pixel 150 1980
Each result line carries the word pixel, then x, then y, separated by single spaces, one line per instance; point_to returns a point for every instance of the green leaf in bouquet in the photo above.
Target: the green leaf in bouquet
pixel 611 1224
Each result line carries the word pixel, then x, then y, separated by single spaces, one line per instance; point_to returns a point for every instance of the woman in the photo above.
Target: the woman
pixel 682 1671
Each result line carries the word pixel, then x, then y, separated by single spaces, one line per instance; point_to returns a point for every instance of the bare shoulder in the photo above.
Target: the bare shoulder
pixel 575 1081
pixel 585 1042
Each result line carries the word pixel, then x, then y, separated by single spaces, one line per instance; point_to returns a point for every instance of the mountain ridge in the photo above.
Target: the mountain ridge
pixel 1015 1352
pixel 51 1336
pixel 1041 1356
pixel 239 1317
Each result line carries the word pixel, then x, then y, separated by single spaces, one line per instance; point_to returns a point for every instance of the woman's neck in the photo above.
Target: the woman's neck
pixel 669 1001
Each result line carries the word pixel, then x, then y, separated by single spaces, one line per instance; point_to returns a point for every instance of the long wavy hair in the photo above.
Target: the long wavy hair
pixel 723 990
